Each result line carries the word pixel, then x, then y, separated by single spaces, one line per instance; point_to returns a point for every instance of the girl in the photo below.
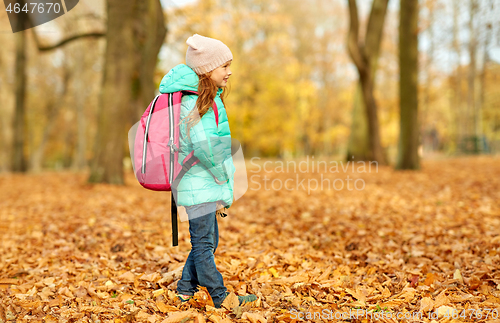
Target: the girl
pixel 206 71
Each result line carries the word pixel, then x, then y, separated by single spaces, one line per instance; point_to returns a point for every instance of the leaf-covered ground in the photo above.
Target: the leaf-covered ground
pixel 408 243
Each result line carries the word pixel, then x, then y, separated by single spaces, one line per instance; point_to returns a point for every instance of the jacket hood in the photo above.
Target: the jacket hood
pixel 181 78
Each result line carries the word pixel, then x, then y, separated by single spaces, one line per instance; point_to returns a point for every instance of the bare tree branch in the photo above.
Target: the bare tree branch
pixel 65 41
pixel 375 28
pixel 353 47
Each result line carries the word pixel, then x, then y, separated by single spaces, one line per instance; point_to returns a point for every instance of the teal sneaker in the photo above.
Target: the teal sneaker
pixel 247 299
pixel 184 298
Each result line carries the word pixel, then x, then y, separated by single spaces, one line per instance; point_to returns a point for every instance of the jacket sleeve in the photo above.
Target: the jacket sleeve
pixel 210 149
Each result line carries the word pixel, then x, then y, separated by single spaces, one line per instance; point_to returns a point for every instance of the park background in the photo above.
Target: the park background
pixel 293 90
pixel 340 81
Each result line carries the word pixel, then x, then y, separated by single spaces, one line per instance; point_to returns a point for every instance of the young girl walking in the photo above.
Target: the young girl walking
pixel 208 186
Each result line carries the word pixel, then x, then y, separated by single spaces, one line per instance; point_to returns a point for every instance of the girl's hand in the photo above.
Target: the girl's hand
pixel 221 210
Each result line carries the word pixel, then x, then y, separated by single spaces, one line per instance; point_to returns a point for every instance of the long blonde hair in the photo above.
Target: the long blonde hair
pixel 207 90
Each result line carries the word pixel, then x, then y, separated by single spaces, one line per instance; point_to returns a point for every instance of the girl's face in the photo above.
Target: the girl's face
pixel 221 74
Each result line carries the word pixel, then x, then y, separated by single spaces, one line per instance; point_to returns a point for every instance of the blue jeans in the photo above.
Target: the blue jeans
pixel 200 266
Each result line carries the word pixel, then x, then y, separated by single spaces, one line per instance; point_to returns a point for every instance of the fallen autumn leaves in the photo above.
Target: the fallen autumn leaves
pixel 409 241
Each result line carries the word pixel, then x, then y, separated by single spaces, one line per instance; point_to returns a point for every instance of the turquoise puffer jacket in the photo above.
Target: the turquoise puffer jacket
pixel 211 144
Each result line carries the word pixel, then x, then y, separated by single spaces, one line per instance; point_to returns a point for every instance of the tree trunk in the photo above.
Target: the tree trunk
pixel 79 160
pixel 115 100
pixel 137 31
pixel 19 163
pixel 365 58
pixel 36 158
pixel 82 93
pixel 457 101
pixel 52 109
pixel 408 85
pixel 372 118
pixel 323 121
pixel 471 77
pixel 3 145
pixel 427 127
pixel 358 147
pixel 149 36
pixel 482 79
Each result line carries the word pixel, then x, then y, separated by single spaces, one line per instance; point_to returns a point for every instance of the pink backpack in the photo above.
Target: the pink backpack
pixel 154 148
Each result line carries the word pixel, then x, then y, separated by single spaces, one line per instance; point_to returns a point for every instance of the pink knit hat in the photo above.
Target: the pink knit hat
pixel 205 54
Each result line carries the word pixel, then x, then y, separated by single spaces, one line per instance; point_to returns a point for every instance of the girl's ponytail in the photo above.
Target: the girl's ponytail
pixel 207 90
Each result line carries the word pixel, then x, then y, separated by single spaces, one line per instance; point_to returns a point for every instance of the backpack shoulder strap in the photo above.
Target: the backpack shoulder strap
pixel 216 112
pixel 173 198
